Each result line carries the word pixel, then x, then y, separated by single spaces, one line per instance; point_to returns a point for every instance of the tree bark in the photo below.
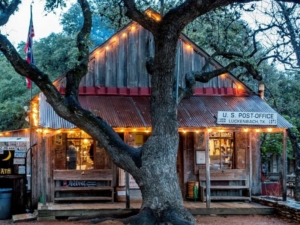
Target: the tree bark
pixel 157 178
pixel 294 140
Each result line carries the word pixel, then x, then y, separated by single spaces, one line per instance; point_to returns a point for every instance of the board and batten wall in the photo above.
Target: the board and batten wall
pixel 121 62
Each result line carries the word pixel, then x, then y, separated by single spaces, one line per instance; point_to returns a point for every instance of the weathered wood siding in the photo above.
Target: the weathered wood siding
pixel 41 166
pixel 120 62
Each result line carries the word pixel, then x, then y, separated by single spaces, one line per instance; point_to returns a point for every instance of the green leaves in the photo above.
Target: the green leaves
pixel 14 95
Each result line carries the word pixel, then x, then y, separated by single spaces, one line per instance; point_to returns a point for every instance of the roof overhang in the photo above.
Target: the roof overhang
pixel 134 111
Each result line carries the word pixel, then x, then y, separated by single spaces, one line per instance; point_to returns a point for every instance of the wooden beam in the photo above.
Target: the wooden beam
pixel 284 167
pixel 250 152
pixel 207 169
pixel 44 191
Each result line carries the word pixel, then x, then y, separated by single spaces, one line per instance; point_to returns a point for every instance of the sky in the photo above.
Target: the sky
pixel 17 26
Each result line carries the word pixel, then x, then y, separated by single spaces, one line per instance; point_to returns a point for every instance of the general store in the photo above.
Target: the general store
pixel 219 128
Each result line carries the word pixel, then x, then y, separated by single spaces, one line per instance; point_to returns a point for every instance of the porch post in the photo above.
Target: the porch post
pixel 207 169
pixel 44 206
pixel 284 166
pixel 250 153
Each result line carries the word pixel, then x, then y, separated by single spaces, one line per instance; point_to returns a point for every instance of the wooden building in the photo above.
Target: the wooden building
pixel 219 127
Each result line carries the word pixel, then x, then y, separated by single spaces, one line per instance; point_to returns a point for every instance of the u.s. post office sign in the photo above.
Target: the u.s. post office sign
pixel 250 118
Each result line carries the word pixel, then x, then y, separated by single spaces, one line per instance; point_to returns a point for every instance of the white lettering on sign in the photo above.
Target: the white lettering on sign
pixel 251 118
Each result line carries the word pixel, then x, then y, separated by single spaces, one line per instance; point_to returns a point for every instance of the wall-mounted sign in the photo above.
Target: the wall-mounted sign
pixel 20 154
pixel 19 161
pixel 250 118
pixel 81 183
pixel 5 170
pixel 21 170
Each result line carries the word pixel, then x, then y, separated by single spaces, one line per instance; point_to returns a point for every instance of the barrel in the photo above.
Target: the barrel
pixel 5 203
pixel 191 188
pixel 121 194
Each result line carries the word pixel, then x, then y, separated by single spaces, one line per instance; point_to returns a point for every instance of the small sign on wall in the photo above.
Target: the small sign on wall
pixel 19 161
pixel 20 154
pixel 200 157
pixel 5 170
pixel 21 170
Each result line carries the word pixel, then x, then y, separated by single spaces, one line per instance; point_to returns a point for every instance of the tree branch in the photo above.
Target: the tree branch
pixel 133 13
pixel 7 11
pixel 75 74
pixel 204 77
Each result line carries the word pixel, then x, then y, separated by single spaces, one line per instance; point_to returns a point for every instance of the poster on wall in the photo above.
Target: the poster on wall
pixel 58 139
pixel 200 157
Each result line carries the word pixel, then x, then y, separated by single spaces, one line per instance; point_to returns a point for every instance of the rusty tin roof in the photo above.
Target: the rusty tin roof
pixel 134 111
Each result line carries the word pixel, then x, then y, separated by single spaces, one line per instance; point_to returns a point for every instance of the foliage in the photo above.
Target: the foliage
pixel 272 144
pixel 63 52
pixel 72 22
pixel 14 96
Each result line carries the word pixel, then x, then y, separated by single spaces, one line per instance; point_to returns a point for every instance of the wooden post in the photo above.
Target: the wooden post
pixel 127 190
pixel 284 167
pixel 207 169
pixel 250 161
pixel 44 194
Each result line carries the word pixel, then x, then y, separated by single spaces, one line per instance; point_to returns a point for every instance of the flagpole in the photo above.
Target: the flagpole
pixel 29 59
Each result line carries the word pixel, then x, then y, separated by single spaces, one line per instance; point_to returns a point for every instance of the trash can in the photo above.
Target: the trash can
pixel 5 203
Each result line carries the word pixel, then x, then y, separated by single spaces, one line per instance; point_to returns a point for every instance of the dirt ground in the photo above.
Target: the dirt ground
pixel 200 220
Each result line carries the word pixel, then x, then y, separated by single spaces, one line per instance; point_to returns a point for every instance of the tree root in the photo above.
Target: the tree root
pixel 146 217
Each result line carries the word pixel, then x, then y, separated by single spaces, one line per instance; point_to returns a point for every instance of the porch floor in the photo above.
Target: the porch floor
pixel 89 210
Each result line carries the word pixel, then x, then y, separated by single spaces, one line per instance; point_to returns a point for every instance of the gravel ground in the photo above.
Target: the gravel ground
pixel 200 220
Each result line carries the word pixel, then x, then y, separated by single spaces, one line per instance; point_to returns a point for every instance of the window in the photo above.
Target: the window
pixel 80 151
pixel 221 146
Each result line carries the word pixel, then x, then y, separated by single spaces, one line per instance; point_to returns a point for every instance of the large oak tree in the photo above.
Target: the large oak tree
pixel 153 166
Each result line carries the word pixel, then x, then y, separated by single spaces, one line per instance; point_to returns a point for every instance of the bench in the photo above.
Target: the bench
pixel 83 185
pixel 231 184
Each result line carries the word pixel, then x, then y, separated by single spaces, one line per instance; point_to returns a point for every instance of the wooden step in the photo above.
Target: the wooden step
pixel 229 198
pixel 227 187
pixel 92 198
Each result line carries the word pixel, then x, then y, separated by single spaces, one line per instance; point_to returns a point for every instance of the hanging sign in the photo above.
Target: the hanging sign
pixel 250 118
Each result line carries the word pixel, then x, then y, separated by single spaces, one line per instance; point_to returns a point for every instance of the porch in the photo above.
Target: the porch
pixel 54 211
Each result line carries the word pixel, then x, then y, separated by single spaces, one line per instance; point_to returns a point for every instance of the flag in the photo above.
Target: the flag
pixel 28 47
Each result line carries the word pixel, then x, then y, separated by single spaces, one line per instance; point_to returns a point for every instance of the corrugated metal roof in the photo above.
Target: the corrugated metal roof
pixel 134 111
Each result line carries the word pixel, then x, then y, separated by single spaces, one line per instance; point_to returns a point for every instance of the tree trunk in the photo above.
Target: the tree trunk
pixel 157 177
pixel 159 184
pixel 296 149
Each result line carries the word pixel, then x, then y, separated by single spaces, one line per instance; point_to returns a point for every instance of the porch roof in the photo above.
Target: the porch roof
pixel 134 111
